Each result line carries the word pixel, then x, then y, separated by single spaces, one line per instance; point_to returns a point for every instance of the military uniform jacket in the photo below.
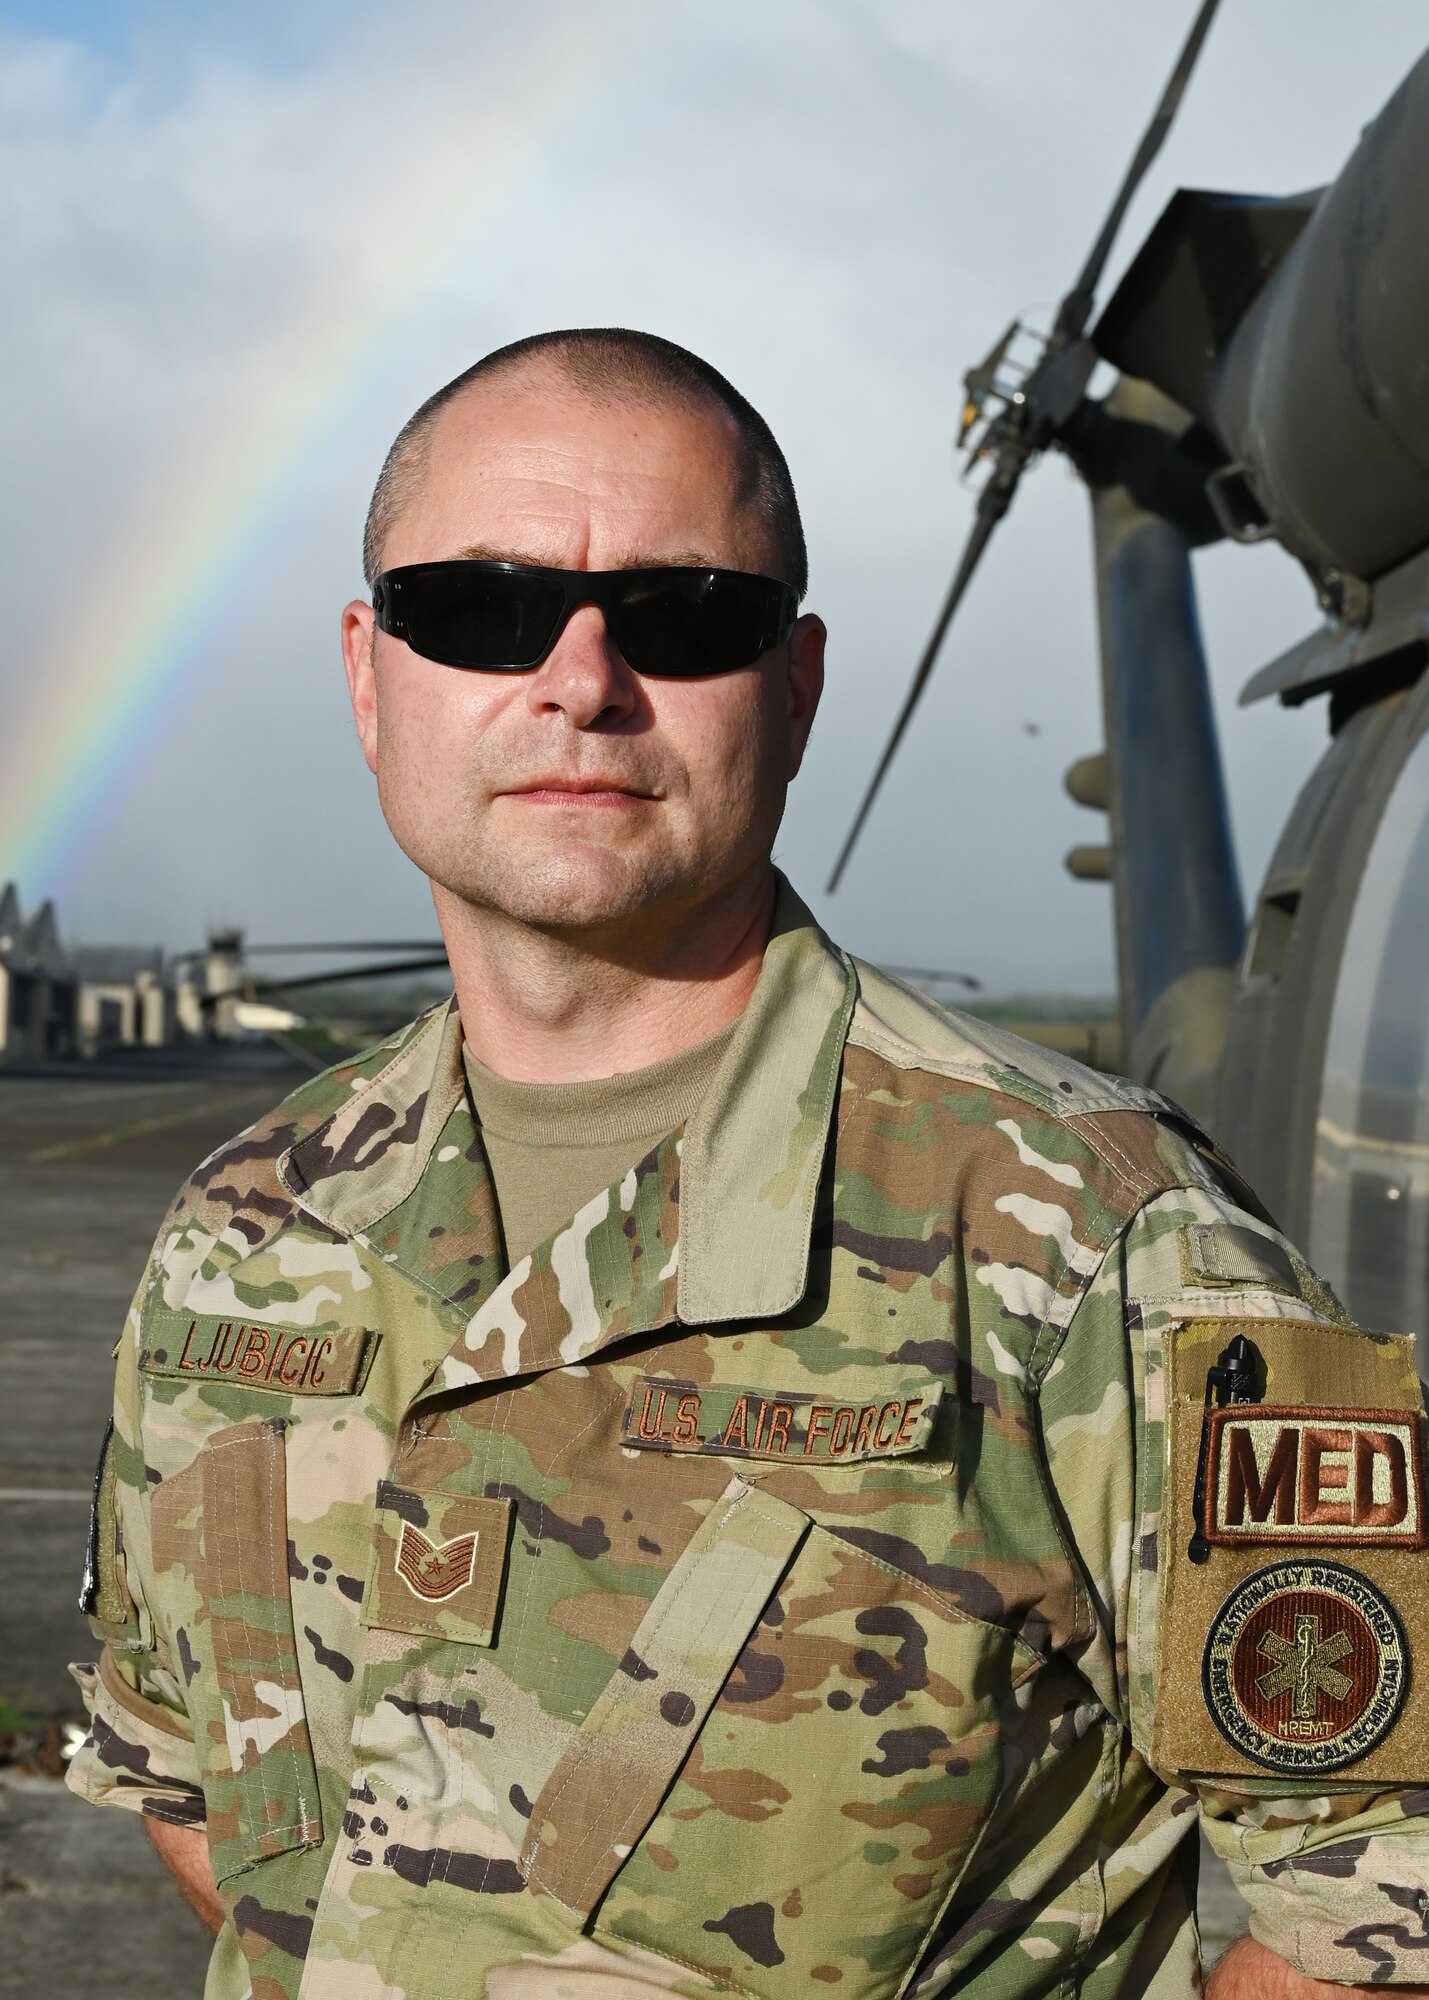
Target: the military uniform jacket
pixel 779 1579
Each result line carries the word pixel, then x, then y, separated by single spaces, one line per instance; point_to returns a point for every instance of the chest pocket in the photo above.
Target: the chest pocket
pixel 789 1775
pixel 224 1524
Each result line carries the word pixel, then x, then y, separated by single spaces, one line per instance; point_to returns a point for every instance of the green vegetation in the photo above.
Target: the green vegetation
pixel 13 1719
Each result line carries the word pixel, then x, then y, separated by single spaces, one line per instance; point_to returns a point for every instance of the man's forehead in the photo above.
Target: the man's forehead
pixel 536 467
pixel 537 418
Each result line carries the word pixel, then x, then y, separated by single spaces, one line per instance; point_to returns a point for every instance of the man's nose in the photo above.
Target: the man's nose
pixel 585 676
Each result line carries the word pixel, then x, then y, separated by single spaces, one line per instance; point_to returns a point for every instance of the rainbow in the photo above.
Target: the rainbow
pixel 118 670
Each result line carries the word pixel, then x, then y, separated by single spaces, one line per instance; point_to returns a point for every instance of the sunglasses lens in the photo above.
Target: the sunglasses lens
pixel 691 622
pixel 500 618
pixel 466 616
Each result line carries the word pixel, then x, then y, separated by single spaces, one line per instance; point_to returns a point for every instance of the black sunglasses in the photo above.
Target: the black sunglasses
pixel 503 617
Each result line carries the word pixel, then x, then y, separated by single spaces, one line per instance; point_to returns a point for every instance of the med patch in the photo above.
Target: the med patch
pixel 1279 1475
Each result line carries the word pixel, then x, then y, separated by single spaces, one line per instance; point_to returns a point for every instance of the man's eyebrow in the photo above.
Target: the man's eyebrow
pixel 665 559
pixel 489 552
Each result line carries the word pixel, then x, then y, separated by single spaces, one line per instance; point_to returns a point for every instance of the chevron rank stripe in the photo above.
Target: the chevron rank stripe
pixel 433 1571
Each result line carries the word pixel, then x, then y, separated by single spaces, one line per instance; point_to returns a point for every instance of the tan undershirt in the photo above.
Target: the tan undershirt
pixel 554 1145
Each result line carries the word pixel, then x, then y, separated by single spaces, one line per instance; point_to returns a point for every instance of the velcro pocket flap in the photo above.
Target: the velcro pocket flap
pixel 1229 1255
pixel 272 1803
pixel 103 1592
pixel 609 1783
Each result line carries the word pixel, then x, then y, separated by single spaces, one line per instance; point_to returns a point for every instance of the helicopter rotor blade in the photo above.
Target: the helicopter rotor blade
pixel 1051 394
pixel 993 503
pixel 435 961
pixel 1075 309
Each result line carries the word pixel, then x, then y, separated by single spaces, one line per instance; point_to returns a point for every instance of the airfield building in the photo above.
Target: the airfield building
pixel 39 987
pixel 126 997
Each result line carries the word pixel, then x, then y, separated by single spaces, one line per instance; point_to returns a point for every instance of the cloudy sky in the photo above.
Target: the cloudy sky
pixel 240 245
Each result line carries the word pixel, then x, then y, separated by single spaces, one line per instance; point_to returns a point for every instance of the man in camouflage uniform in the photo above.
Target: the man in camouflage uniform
pixel 847 1547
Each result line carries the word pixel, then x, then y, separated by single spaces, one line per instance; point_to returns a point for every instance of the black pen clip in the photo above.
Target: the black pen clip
pixel 1232 1380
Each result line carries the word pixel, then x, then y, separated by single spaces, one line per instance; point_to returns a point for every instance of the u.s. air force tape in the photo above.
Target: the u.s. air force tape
pixel 726 1420
pixel 284 1360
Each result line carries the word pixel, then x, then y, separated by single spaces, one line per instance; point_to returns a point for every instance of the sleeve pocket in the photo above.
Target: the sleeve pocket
pixel 264 1798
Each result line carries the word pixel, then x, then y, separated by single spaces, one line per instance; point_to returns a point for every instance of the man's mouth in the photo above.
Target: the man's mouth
pixel 584 792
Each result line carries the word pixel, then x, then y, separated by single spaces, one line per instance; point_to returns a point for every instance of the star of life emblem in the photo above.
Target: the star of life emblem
pixel 1305 1668
pixel 1306 1665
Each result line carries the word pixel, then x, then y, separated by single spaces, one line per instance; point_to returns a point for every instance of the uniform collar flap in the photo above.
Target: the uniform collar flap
pixel 754 1150
pixel 370 1155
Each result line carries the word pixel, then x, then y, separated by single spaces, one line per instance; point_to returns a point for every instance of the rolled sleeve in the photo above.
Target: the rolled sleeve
pixel 139 1753
pixel 1346 1901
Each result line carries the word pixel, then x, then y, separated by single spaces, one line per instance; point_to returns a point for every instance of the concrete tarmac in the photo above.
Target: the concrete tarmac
pixel 89 1162
pixel 90 1157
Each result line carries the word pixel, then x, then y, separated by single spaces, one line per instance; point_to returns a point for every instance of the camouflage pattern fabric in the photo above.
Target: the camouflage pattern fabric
pixel 758 1589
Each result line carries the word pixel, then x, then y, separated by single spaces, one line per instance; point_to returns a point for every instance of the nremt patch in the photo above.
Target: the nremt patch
pixel 1300 1475
pixel 1305 1668
pixel 726 1420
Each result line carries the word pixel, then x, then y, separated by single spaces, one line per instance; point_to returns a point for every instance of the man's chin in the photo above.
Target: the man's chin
pixel 571 893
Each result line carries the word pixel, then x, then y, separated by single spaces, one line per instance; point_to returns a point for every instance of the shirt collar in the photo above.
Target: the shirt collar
pixel 751 1156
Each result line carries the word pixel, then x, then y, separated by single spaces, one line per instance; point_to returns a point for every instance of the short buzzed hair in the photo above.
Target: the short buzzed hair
pixel 618 362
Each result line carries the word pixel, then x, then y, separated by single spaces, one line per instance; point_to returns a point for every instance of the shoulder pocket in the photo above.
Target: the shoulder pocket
pixel 261 1785
pixel 1290 1560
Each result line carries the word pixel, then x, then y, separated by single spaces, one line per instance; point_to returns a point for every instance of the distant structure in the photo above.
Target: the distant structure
pixel 126 997
pixel 224 970
pixel 94 998
pixel 87 1000
pixel 39 987
pixel 214 993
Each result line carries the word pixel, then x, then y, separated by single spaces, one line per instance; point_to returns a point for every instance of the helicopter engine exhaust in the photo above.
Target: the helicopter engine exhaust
pixel 1293 330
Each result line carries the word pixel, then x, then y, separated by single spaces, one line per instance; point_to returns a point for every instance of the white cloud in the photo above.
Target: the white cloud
pixel 841 204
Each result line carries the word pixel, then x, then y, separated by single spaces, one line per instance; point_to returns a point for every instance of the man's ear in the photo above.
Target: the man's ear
pixel 806 684
pixel 359 632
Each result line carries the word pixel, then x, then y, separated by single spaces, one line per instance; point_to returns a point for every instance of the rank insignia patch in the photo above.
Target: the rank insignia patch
pixel 1305 1668
pixel 438 1563
pixel 1315 1475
